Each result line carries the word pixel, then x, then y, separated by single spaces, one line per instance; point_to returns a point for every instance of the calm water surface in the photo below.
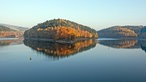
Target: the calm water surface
pixel 86 61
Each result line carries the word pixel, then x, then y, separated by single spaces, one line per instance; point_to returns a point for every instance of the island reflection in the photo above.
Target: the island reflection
pixel 58 49
pixel 125 44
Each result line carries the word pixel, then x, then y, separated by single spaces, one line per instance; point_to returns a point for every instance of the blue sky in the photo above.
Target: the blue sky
pixel 97 14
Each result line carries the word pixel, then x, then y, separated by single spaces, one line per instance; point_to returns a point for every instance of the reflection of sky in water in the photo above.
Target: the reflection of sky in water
pixel 8 39
pixel 101 63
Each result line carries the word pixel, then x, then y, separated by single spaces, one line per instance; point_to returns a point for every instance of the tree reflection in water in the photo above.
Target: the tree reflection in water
pixel 58 49
pixel 143 44
pixel 10 42
pixel 126 44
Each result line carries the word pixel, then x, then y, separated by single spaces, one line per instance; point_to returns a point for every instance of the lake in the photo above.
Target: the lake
pixel 100 60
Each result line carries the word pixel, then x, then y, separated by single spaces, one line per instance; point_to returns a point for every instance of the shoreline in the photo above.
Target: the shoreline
pixel 121 38
pixel 59 41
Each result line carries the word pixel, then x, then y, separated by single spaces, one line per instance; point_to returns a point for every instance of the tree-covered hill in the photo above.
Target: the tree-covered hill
pixel 66 23
pixel 60 29
pixel 120 32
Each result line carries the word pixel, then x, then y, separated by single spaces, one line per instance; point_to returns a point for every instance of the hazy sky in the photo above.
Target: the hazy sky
pixel 97 14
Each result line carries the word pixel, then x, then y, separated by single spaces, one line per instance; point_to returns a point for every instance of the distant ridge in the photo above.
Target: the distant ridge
pixel 4 28
pixel 11 31
pixel 18 28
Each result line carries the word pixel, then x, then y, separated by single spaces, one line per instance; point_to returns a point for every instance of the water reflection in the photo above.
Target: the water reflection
pixel 10 42
pixel 143 44
pixel 60 50
pixel 126 44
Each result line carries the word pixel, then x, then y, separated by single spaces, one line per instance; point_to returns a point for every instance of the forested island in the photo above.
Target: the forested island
pixel 60 30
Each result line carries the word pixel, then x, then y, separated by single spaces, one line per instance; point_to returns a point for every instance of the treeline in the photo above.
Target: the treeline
pixel 60 29
pixel 66 23
pixel 11 34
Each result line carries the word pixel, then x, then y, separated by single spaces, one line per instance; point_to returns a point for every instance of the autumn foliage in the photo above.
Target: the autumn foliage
pixel 60 30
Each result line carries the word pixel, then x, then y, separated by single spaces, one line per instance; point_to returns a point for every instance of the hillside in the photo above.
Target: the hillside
pixel 60 29
pixel 120 32
pixel 7 32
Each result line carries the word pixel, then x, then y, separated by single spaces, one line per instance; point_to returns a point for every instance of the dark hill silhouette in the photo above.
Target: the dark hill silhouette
pixel 143 33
